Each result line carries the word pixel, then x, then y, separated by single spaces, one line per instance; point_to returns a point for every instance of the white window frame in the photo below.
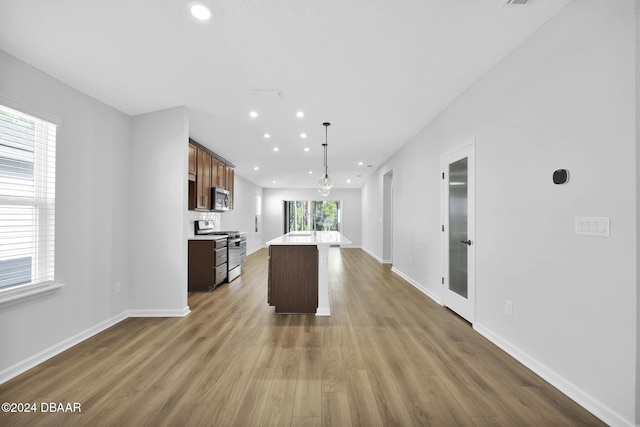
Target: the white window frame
pixel 43 201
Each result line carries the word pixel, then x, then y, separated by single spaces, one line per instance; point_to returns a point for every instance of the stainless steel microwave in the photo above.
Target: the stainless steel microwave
pixel 221 199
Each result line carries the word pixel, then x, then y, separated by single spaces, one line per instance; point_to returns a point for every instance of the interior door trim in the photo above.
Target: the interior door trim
pixel 466 149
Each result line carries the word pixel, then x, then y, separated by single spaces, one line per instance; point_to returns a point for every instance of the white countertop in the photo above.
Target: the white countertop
pixel 311 238
pixel 208 237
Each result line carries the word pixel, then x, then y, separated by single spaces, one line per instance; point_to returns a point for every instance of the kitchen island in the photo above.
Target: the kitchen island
pixel 299 271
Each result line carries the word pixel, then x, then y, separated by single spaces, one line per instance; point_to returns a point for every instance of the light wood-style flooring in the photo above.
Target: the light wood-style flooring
pixel 387 356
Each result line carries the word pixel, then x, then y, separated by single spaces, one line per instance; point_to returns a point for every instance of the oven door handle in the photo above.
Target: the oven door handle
pixel 233 241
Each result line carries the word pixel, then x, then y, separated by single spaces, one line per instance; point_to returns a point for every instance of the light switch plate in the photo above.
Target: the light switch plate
pixel 592 226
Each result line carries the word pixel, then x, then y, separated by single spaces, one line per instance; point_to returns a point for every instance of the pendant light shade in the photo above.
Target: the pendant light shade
pixel 325 183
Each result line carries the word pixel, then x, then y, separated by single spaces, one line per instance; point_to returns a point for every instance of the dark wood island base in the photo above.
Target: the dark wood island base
pixel 293 278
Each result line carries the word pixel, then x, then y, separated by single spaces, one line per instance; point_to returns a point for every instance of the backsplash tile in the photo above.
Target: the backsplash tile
pixel 193 216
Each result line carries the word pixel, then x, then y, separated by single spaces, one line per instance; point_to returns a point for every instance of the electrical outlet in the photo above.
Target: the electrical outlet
pixel 509 307
pixel 116 287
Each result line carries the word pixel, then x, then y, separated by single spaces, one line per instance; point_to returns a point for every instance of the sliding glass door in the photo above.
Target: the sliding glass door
pixel 305 215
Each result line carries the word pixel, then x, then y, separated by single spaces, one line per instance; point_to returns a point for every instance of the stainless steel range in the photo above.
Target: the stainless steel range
pixel 236 246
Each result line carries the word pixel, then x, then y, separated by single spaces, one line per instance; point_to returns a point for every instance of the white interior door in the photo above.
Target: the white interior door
pixel 459 231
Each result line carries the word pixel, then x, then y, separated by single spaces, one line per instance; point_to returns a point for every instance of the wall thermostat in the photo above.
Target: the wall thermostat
pixel 561 176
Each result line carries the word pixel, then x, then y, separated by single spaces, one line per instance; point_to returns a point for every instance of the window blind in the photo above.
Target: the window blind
pixel 27 199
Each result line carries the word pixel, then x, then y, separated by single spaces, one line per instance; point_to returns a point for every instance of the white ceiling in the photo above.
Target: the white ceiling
pixel 379 71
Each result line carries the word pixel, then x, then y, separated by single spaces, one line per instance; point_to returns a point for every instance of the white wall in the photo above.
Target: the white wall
pixel 92 221
pixel 243 216
pixel 158 201
pixel 637 212
pixel 564 99
pixel 273 210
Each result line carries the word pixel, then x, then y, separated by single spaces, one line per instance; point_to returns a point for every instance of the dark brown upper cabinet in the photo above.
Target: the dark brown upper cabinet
pixel 206 170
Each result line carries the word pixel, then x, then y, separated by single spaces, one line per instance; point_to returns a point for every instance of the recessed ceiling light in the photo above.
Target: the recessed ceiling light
pixel 200 10
pixel 310 172
pixel 266 135
pixel 348 181
pixel 303 135
pixel 360 163
pixel 255 168
pixel 274 182
pixel 306 148
pixel 253 114
pixel 276 149
pixel 299 114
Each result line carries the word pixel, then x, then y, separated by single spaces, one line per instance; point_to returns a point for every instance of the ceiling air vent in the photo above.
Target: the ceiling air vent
pixel 267 92
pixel 517 1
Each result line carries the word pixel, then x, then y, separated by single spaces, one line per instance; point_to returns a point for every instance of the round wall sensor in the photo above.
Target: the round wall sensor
pixel 561 176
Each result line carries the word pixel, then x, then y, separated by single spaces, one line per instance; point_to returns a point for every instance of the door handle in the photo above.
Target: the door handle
pixel 466 242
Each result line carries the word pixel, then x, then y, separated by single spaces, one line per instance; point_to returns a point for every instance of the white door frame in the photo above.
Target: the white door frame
pixel 465 307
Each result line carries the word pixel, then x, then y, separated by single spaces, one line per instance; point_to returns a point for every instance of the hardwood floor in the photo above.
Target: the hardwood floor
pixel 387 356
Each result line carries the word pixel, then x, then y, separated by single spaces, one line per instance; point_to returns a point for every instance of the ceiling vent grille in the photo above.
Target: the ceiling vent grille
pixel 267 92
pixel 517 1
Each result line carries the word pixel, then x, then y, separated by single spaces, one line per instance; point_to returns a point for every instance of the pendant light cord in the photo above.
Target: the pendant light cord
pixel 326 138
pixel 324 183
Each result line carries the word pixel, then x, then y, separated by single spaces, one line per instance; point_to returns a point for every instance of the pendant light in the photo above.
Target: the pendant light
pixel 325 183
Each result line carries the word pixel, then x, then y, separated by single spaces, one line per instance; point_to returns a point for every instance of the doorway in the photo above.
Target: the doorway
pixel 458 204
pixel 387 218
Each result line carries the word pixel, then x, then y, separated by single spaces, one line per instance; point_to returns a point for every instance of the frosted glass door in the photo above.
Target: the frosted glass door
pixel 458 228
pixel 458 237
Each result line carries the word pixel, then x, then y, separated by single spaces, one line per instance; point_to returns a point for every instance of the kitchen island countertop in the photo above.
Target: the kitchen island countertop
pixel 311 238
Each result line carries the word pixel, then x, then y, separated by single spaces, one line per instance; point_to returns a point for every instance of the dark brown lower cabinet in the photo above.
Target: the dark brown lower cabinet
pixel 293 278
pixel 207 264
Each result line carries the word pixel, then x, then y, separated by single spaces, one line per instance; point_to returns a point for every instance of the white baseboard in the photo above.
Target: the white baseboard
pixel 418 286
pixel 159 313
pixel 575 393
pixel 325 311
pixel 377 258
pixel 412 282
pixel 44 355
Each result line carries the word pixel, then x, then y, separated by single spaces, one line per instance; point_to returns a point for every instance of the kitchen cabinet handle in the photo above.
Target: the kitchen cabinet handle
pixel 466 242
